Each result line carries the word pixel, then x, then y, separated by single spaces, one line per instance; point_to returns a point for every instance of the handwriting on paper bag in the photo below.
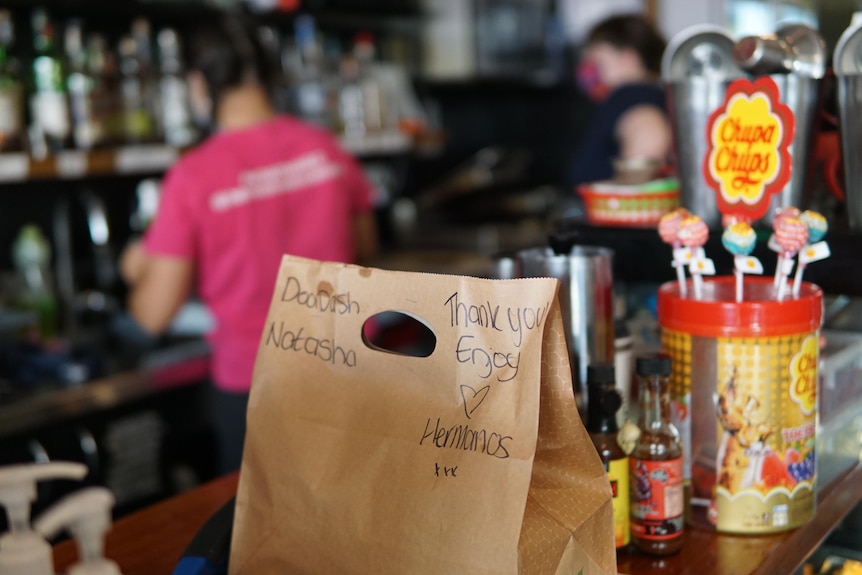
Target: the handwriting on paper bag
pixel 516 320
pixel 473 398
pixel 487 361
pixel 465 438
pixel 475 349
pixel 324 349
pixel 321 299
pixel 443 471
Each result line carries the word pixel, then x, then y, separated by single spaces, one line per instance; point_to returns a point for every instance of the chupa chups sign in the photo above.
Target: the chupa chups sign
pixel 747 159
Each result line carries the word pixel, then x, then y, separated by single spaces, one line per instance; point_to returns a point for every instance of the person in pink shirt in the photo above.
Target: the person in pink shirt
pixel 260 186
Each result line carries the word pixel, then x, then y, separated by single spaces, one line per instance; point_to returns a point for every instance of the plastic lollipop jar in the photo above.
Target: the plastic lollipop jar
pixel 744 388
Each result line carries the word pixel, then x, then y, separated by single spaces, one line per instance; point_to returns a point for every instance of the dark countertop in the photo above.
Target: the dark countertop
pixel 151 541
pixel 176 366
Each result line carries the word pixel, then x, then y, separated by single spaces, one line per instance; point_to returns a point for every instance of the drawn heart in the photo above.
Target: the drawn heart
pixel 472 398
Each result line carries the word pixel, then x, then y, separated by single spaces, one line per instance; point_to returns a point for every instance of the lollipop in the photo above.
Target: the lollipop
pixel 816 250
pixel 693 233
pixel 791 234
pixel 780 213
pixel 668 226
pixel 739 239
pixel 817 226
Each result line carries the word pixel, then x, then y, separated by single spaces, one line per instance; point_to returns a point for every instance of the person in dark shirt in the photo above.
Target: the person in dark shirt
pixel 621 70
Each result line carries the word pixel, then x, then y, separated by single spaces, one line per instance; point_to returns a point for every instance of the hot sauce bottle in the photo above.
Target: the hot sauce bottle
pixel 604 402
pixel 656 464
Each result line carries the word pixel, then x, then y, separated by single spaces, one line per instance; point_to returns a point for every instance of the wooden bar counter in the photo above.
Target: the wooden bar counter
pixel 151 541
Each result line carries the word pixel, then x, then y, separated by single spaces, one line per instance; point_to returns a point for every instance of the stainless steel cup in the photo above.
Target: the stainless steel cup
pixel 586 301
pixel 850 112
pixel 505 267
pixel 802 95
pixel 847 63
pixel 692 100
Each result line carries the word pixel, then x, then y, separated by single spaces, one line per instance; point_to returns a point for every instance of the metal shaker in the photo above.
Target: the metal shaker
pixel 697 68
pixel 795 58
pixel 847 64
pixel 586 301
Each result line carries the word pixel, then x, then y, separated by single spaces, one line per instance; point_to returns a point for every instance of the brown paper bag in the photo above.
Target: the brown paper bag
pixel 471 460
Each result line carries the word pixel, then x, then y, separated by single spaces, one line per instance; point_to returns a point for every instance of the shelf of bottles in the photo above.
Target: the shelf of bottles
pixel 74 105
pixel 75 164
pixel 151 159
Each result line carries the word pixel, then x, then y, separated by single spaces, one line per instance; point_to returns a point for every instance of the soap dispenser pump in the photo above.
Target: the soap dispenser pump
pixel 86 514
pixel 22 550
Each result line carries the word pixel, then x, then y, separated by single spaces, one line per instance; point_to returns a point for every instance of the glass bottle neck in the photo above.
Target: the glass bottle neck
pixel 654 403
pixel 598 422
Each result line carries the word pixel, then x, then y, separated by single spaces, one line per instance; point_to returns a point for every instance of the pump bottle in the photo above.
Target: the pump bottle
pixel 22 550
pixel 86 514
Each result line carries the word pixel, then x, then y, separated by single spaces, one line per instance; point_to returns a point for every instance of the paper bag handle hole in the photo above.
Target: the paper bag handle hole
pixel 400 333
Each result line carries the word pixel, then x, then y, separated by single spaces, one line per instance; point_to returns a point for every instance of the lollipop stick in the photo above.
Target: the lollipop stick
pixel 680 276
pixel 797 280
pixel 679 262
pixel 698 285
pixel 786 270
pixel 738 275
pixel 778 266
pixel 782 287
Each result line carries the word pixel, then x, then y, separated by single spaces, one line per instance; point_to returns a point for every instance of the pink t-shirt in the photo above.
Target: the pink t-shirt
pixel 238 202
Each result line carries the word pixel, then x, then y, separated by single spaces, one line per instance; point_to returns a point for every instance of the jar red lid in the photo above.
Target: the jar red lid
pixel 717 314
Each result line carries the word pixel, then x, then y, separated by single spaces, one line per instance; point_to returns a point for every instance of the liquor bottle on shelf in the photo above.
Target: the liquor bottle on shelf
pixel 11 89
pixel 331 77
pixel 311 99
pixel 105 105
pixel 31 255
pixel 372 97
pixel 87 133
pixel 351 107
pixel 147 70
pixel 176 120
pixel 51 129
pixel 137 123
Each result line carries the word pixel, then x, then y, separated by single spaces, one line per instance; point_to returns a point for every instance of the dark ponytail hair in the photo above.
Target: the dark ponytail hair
pixel 635 32
pixel 226 51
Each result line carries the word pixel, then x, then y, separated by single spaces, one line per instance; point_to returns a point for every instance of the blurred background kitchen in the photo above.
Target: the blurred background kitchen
pixel 465 114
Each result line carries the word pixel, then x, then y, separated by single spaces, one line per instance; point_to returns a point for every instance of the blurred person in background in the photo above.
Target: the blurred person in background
pixel 260 186
pixel 621 71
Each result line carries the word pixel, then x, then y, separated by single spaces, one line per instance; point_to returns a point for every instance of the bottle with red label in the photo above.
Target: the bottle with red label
pixel 655 465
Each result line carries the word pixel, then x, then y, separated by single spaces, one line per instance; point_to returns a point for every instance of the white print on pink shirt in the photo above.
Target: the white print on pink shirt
pixel 262 183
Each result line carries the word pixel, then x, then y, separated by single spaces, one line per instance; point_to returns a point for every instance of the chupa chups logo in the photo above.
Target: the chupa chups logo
pixel 748 138
pixel 803 376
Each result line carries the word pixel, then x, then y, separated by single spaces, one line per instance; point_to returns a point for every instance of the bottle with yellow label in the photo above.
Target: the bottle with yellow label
pixel 604 402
